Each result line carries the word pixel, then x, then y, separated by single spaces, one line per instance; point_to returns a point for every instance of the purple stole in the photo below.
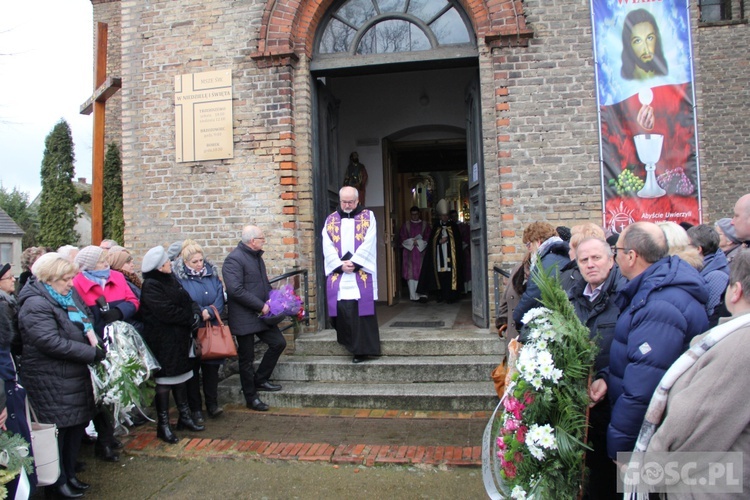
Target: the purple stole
pixel 364 281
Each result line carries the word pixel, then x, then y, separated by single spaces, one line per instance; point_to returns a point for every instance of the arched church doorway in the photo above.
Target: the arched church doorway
pixel 395 87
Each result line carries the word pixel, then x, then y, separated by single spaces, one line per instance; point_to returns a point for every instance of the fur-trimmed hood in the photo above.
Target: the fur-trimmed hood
pixel 178 268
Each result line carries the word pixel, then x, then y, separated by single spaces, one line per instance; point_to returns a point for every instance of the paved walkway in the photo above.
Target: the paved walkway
pixel 338 436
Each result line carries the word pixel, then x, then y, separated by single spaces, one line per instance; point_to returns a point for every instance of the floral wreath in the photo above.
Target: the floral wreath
pixel 536 445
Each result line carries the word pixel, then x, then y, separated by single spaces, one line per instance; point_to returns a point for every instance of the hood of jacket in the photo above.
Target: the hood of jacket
pixel 716 261
pixel 35 288
pixel 178 268
pixel 557 248
pixel 671 271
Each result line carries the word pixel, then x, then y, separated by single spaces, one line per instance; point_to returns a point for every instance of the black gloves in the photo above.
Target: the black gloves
pixel 196 322
pixel 99 356
pixel 112 315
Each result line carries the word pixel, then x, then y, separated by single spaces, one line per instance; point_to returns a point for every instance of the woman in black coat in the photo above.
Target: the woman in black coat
pixel 58 344
pixel 169 317
pixel 13 397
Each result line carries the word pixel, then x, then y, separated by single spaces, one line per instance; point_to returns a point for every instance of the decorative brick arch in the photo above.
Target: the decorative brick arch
pixel 288 27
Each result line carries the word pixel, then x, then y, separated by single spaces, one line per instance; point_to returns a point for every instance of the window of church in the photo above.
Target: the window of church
pixel 715 10
pixel 364 27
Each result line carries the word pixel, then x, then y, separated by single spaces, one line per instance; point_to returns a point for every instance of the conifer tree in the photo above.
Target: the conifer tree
pixel 16 204
pixel 112 214
pixel 57 207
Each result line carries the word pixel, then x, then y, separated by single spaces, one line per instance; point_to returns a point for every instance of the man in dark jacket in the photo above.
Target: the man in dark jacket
pixel 593 298
pixel 662 309
pixel 248 289
pixel 715 269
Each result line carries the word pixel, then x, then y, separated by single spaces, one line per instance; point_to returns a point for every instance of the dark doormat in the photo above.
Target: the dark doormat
pixel 417 324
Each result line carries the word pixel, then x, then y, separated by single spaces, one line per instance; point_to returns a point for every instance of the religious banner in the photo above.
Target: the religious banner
pixel 648 134
pixel 203 116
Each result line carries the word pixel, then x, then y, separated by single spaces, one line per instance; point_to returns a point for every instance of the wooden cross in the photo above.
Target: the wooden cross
pixel 105 87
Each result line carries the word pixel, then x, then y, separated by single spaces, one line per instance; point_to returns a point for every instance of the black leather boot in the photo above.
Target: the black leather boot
pixel 186 417
pixel 163 429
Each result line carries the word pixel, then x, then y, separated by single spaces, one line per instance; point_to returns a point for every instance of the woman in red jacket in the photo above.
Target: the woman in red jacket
pixel 107 294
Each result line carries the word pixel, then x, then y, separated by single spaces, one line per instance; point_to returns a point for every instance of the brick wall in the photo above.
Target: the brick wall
pixel 210 200
pixel 723 115
pixel 547 136
pixel 108 11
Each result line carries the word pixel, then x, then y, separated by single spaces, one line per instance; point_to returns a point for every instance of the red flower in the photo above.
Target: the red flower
pixel 500 444
pixel 511 424
pixel 514 406
pixel 521 434
pixel 510 470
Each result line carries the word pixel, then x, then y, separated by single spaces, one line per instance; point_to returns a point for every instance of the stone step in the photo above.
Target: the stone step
pixel 409 342
pixel 448 396
pixel 386 369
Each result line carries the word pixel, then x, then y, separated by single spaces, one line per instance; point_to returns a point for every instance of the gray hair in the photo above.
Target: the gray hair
pixel 351 189
pixel 706 237
pixel 250 233
pixel 66 250
pixel 109 244
pixel 652 247
pixel 605 246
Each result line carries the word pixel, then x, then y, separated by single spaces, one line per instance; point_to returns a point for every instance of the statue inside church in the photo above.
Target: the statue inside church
pixel 356 176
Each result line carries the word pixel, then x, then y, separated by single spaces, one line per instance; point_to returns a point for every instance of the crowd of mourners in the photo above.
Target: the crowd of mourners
pixel 667 305
pixel 52 326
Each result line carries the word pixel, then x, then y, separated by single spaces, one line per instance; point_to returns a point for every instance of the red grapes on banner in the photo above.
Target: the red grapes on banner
pixel 675 181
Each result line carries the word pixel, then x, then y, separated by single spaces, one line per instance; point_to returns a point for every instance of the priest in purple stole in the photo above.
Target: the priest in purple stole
pixel 413 236
pixel 350 254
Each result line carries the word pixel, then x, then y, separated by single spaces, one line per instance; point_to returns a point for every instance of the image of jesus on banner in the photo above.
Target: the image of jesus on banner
pixel 646 101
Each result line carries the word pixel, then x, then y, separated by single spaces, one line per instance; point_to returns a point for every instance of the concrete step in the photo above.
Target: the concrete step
pixel 409 342
pixel 387 369
pixel 449 396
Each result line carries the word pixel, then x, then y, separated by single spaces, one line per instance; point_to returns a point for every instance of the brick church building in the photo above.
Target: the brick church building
pixel 491 105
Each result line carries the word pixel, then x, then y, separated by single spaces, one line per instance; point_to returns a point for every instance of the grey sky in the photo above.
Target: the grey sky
pixel 46 73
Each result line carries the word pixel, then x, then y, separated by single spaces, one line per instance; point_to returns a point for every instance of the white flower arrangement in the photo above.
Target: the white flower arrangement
pixel 121 380
pixel 539 440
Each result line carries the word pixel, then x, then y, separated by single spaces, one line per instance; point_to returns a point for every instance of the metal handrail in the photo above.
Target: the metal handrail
pixel 496 281
pixel 305 292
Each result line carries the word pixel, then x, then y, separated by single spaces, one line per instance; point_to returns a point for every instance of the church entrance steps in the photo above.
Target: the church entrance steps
pixel 420 370
pixel 409 342
pixel 446 396
pixel 386 369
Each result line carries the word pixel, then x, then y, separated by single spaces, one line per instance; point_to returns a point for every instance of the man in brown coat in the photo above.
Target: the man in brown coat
pixel 700 405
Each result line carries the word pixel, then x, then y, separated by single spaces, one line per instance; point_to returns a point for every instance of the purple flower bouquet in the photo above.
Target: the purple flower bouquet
pixel 282 303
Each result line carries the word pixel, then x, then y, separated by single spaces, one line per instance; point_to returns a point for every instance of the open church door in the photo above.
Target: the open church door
pixel 390 226
pixel 325 179
pixel 474 155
